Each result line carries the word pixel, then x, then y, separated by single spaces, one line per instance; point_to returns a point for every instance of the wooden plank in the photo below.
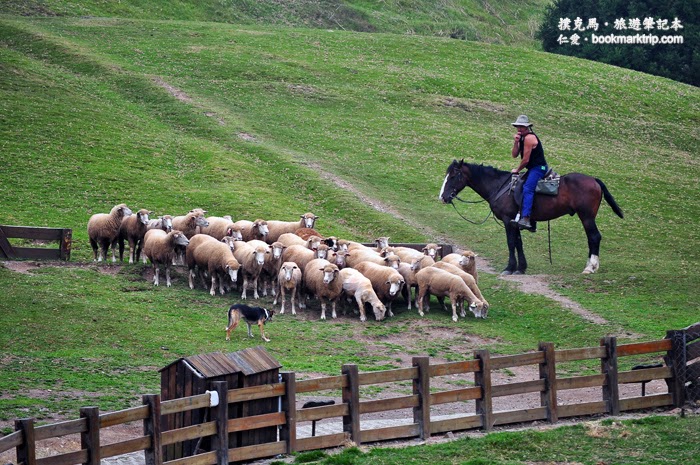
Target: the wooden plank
pixel 391 432
pixel 579 410
pixel 484 404
pixel 639 348
pixel 454 368
pixel 11 440
pixel 548 374
pixel 70 458
pixel 523 387
pixel 321 442
pixel 383 405
pixel 257 451
pixel 256 421
pixel 32 232
pixel 579 382
pixel 455 395
pixel 608 365
pixel 90 439
pixel 255 392
pixel 387 376
pixel 455 424
pixel 184 404
pixel 320 413
pixel 123 416
pixel 188 433
pixel 219 415
pixel 421 392
pixel 288 432
pixel 66 244
pixel 585 353
pixel 638 403
pixel 26 451
pixel 322 384
pixel 6 249
pixel 351 397
pixel 648 374
pixel 520 416
pixel 207 458
pixel 30 253
pixel 63 428
pixel 510 361
pixel 125 447
pixel 153 454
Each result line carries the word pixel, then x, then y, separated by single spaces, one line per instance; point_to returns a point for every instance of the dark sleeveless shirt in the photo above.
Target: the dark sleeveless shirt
pixel 536 155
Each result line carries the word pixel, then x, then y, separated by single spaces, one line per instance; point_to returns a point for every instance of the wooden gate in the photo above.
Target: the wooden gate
pixel 9 252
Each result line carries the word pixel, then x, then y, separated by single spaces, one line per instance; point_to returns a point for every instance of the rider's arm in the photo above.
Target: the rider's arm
pixel 529 144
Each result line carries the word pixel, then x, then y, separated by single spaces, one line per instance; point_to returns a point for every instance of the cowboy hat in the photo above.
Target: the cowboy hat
pixel 522 121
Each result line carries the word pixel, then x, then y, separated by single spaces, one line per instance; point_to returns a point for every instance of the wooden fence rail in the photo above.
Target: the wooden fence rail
pixel 347 414
pixel 10 252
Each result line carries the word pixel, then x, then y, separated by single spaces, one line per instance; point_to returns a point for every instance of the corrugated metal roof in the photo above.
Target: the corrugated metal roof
pixel 247 361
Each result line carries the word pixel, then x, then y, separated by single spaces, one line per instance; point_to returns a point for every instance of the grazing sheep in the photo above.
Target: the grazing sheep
pixel 252 260
pixel 321 278
pixel 253 229
pixel 133 229
pixel 289 279
pixel 188 224
pixel 441 284
pixel 356 285
pixel 160 248
pixel 216 257
pixel 354 257
pixel 386 282
pixel 466 261
pixel 277 228
pixel 302 256
pixel 220 227
pixel 103 230
pixel 469 281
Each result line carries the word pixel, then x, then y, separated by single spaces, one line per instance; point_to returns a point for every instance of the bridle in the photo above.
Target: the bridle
pixel 453 195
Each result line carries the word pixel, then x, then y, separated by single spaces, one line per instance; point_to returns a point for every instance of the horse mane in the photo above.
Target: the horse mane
pixel 480 171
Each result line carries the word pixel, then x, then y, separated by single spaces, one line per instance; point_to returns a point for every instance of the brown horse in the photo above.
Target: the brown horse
pixel 578 194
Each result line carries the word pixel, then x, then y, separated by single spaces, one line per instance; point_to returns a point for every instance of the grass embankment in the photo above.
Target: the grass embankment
pixel 87 124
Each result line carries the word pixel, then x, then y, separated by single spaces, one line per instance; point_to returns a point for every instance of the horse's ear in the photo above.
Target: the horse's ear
pixel 461 162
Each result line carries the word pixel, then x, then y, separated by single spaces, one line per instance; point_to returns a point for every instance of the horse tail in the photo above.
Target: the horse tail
pixel 609 198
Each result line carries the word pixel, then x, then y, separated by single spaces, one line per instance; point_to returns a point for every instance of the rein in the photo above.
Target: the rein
pixel 467 219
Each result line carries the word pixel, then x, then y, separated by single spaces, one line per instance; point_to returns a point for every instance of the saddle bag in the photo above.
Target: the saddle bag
pixel 549 185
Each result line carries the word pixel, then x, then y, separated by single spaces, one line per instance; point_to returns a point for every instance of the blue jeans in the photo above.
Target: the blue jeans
pixel 534 174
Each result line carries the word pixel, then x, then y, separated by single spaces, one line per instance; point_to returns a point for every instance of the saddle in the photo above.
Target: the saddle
pixel 549 185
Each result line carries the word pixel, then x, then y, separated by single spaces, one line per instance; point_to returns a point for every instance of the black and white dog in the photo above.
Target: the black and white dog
pixel 251 315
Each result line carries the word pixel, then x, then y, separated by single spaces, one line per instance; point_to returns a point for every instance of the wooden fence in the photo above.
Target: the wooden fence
pixel 482 367
pixel 10 252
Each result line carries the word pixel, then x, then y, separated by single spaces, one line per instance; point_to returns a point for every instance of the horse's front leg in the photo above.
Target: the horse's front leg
pixel 512 237
pixel 522 262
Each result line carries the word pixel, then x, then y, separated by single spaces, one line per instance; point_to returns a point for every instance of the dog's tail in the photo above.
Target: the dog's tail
pixel 230 317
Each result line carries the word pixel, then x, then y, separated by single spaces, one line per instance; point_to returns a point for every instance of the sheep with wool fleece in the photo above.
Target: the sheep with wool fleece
pixel 386 281
pixel 277 228
pixel 465 260
pixel 252 260
pixel 302 256
pixel 132 230
pixel 354 257
pixel 290 280
pixel 481 312
pixel 441 284
pixel 103 231
pixel 161 248
pixel 251 230
pixel 220 227
pixel 356 285
pixel 206 253
pixel 322 279
pixel 189 223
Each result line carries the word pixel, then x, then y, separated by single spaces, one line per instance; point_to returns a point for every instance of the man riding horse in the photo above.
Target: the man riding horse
pixel 529 147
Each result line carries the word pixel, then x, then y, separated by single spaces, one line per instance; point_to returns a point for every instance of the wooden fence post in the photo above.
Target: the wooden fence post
pixel 151 427
pixel 482 378
pixel 351 396
pixel 676 360
pixel 611 392
pixel 219 414
pixel 548 372
pixel 421 387
pixel 288 433
pixel 90 439
pixel 26 452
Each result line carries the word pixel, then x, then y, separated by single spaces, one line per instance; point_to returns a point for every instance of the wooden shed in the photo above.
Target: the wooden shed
pixel 193 375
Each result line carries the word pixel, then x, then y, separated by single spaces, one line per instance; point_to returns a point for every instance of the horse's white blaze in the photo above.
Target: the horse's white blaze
pixel 442 189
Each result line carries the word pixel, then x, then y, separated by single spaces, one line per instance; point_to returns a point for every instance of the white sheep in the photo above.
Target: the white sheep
pixel 133 229
pixel 103 230
pixel 216 257
pixel 289 280
pixel 302 255
pixel 220 227
pixel 251 260
pixel 466 261
pixel 356 285
pixel 441 284
pixel 322 279
pixel 277 228
pixel 470 282
pixel 431 250
pixel 356 256
pixel 160 248
pixel 253 229
pixel 387 282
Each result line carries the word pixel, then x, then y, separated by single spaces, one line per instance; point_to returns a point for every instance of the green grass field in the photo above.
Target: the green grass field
pixel 166 113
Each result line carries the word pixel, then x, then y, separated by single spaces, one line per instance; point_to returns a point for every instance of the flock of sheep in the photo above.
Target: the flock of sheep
pixel 289 257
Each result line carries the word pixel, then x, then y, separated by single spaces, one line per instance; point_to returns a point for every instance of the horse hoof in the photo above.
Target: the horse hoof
pixel 506 273
pixel 518 272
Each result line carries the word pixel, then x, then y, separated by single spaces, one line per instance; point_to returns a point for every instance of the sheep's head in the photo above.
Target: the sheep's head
pixel 417 263
pixel 142 216
pixel 392 261
pixel 232 267
pixel 178 238
pixel 467 258
pixel 321 251
pixel 314 241
pixel 234 231
pixel 121 210
pixel 395 285
pixel 259 254
pixel 330 272
pixel 431 250
pixel 201 221
pixel 343 244
pixel 277 249
pixel 382 242
pixel 166 223
pixel 379 310
pixel 339 258
pixel 261 226
pixel 308 220
pixel 230 242
pixel 288 270
pixel 478 309
pixel 331 242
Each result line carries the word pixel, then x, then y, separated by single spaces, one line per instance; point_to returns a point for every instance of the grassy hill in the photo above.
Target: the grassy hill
pixel 502 22
pixel 266 122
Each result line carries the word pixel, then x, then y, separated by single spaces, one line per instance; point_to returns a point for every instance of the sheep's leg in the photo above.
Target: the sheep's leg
pixel 202 278
pixel 245 286
pixel 361 305
pixel 155 274
pixel 454 309
pixel 113 245
pixel 222 279
pixel 282 296
pixel 294 294
pixel 333 314
pixel 323 309
pixel 138 245
pixel 190 278
pixel 212 291
pixel 121 250
pixel 167 275
pixel 95 247
pixel 104 246
pixel 255 288
pixel 420 300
